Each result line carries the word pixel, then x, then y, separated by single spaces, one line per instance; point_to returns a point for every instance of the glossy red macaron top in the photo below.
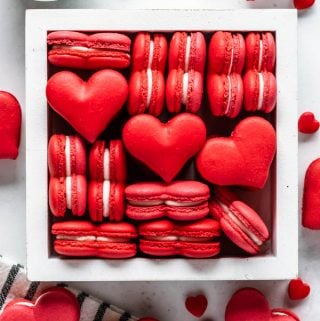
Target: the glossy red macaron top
pixel 260 51
pixel 101 40
pixel 66 155
pixel 187 51
pixel 183 191
pixel 108 163
pixel 226 53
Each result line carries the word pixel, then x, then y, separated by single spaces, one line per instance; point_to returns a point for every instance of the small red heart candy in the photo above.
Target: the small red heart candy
pixel 10 126
pixel 298 290
pixel 303 4
pixel 55 304
pixel 307 123
pixel 196 305
pixel 88 106
pixel 164 147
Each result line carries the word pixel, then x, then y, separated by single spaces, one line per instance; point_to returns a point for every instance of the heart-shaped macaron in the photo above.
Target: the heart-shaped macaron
pixel 55 304
pixel 196 305
pixel 307 123
pixel 248 304
pixel 10 126
pixel 298 290
pixel 89 106
pixel 164 147
pixel 242 159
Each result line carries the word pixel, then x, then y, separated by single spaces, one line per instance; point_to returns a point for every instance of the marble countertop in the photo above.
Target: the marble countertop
pixel 165 300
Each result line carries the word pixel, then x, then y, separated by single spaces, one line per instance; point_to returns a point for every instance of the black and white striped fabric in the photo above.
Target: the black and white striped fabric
pixel 14 284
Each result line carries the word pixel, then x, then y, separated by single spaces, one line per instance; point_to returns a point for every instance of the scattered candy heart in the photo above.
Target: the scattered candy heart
pixel 307 123
pixel 55 304
pixel 196 305
pixel 10 126
pixel 303 4
pixel 298 290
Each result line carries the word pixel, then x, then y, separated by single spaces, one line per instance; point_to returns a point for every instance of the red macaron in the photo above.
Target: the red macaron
pixel 106 201
pixel 194 240
pixel 147 85
pixel 108 240
pixel 225 93
pixel 226 53
pixel 260 91
pixel 108 163
pixel 187 57
pixel 68 193
pixel 260 51
pixel 238 221
pixel 180 200
pixel 82 51
pixel 66 156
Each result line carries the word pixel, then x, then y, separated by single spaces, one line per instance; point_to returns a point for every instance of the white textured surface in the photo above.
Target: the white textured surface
pixel 166 299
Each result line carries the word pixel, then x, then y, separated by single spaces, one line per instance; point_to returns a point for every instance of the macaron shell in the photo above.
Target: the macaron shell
pixel 78 195
pixel 218 87
pixel 96 161
pixel 95 201
pixel 157 93
pixel 118 163
pixel 57 196
pixel 174 89
pixel 283 315
pixel 116 202
pixel 251 84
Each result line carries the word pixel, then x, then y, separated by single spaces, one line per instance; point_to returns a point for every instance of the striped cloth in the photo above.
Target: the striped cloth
pixel 14 284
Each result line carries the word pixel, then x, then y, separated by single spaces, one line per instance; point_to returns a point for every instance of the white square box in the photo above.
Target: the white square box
pixel 280 263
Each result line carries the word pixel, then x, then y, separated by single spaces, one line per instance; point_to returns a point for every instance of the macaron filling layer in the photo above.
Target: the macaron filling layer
pixel 255 239
pixel 231 58
pixel 171 238
pixel 92 238
pixel 78 48
pixel 261 91
pixel 67 152
pixel 164 202
pixel 187 55
pixel 185 83
pixel 106 198
pixel 229 95
pixel 149 73
pixel 69 192
pixel 106 164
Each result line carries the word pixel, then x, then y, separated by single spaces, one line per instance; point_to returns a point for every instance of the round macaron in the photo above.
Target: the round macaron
pixel 225 93
pixel 147 85
pixel 108 163
pixel 260 91
pixel 108 240
pixel 283 315
pixel 68 193
pixel 260 51
pixel 106 201
pixel 184 87
pixel 226 53
pixel 66 156
pixel 238 221
pixel 82 51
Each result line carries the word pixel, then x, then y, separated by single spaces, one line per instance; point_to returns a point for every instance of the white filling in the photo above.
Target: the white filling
pixel 113 239
pixel 106 197
pixel 169 238
pixel 280 313
pixel 231 61
pixel 261 91
pixel 68 192
pixel 160 202
pixel 27 304
pixel 106 164
pixel 76 238
pixel 77 48
pixel 185 81
pixel 229 95
pixel 93 238
pixel 67 156
pixel 149 73
pixel 187 56
pixel 260 55
pixel 233 217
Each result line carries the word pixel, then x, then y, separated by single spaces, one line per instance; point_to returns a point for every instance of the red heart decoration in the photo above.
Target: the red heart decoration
pixel 298 290
pixel 55 304
pixel 88 106
pixel 248 304
pixel 164 148
pixel 10 126
pixel 303 4
pixel 307 123
pixel 242 159
pixel 196 305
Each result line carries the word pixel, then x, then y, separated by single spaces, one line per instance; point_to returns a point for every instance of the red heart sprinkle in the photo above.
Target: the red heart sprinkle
pixel 307 123
pixel 303 4
pixel 196 305
pixel 298 290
